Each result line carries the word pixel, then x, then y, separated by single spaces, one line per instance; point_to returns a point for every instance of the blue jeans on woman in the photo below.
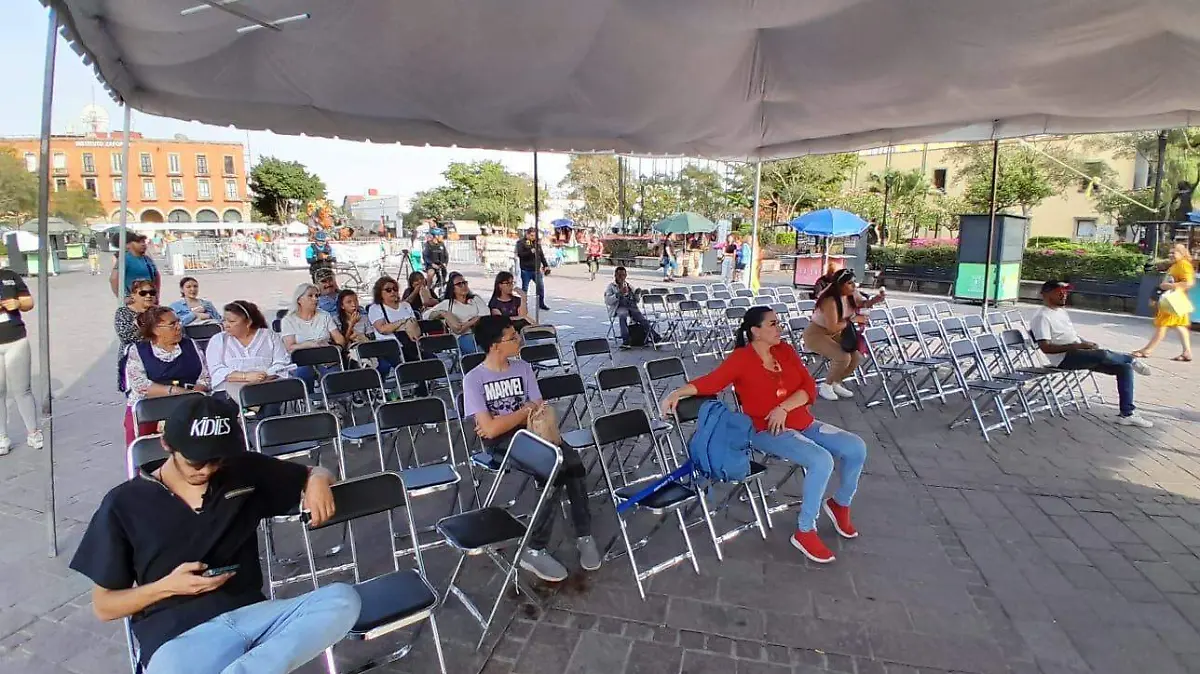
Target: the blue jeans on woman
pixel 466 344
pixel 308 374
pixel 270 637
pixel 1120 365
pixel 816 448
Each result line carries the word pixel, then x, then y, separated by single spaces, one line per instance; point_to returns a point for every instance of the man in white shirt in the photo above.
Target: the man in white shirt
pixel 1058 339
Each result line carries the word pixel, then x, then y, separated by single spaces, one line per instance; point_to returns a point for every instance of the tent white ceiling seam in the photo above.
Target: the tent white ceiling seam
pixel 722 79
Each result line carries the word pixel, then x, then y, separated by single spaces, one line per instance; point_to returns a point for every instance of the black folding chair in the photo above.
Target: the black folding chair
pixel 390 601
pixel 318 358
pixel 657 494
pixel 414 417
pixel 490 528
pixel 282 392
pixel 365 388
pixel 160 408
pixel 543 357
pixel 202 332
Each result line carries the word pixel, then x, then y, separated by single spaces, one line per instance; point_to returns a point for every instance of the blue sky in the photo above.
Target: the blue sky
pixel 346 167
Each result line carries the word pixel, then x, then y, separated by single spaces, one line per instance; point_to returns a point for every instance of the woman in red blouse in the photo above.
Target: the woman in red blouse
pixel 776 392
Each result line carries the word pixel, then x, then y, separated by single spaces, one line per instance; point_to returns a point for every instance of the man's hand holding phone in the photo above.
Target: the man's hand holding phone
pixel 191 578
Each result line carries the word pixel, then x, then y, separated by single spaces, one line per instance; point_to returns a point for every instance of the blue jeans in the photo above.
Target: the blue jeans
pixel 1120 365
pixel 816 448
pixel 270 637
pixel 528 275
pixel 466 344
pixel 308 374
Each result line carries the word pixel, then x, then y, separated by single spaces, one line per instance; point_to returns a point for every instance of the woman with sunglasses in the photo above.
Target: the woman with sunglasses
pixel 394 319
pixel 164 363
pixel 460 311
pixel 506 302
pixel 142 296
pixel 417 295
pixel 776 392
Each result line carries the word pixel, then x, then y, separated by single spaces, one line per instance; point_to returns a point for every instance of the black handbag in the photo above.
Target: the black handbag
pixel 849 338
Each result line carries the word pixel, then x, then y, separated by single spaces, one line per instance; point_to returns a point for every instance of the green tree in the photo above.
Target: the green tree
pixel 1181 162
pixel 1026 176
pixel 793 186
pixel 592 180
pixel 18 188
pixel 701 190
pixel 658 197
pixel 281 187
pixel 491 193
pixel 75 205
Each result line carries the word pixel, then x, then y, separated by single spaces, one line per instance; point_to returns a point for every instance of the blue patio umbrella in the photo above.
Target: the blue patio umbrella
pixel 563 222
pixel 830 222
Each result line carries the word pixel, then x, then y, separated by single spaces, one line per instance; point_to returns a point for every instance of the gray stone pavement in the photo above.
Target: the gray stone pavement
pixel 1070 546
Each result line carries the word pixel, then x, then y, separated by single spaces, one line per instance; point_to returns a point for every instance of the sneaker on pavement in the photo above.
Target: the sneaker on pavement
pixel 840 515
pixel 810 543
pixel 589 555
pixel 1135 419
pixel 841 391
pixel 5 445
pixel 35 440
pixel 826 391
pixel 1140 366
pixel 543 565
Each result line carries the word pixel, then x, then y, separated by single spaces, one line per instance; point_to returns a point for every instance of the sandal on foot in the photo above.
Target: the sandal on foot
pixel 1182 358
pixel 1140 354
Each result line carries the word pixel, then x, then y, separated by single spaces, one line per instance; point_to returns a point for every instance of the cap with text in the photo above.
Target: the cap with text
pixel 1051 286
pixel 204 429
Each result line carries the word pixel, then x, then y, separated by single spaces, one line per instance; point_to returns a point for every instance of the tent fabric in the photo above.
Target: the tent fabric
pixel 730 79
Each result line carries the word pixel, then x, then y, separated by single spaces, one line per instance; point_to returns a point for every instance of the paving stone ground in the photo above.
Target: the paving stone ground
pixel 1071 546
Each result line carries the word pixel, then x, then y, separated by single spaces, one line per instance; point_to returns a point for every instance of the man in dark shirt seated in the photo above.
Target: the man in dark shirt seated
pixel 154 541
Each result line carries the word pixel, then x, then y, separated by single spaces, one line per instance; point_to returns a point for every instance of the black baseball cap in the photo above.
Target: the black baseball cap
pixel 1051 286
pixel 204 429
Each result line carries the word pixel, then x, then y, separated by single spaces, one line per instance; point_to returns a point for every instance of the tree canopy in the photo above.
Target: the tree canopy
pixel 281 187
pixel 1026 176
pixel 18 188
pixel 484 191
pixel 75 204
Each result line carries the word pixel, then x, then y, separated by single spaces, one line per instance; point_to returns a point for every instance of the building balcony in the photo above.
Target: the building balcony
pixel 61 172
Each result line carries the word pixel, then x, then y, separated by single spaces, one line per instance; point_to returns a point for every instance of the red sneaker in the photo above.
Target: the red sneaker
pixel 840 515
pixel 809 542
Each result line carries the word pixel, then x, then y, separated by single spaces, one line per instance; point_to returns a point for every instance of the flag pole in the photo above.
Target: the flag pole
pixel 45 266
pixel 755 282
pixel 124 219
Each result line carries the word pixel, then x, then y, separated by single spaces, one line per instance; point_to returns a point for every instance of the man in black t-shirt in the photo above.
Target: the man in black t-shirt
pixel 154 541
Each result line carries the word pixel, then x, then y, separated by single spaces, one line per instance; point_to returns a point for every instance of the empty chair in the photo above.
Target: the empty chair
pixel 365 387
pixel 269 399
pixel 543 357
pixel 313 363
pixel 202 332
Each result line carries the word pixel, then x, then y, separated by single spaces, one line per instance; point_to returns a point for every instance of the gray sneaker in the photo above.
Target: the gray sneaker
pixel 589 555
pixel 543 565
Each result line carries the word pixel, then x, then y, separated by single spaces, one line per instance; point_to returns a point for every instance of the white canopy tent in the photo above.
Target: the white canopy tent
pixel 727 79
pixel 709 78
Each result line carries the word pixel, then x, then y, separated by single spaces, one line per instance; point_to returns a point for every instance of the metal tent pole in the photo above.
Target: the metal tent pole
pixel 44 268
pixel 540 280
pixel 754 266
pixel 124 208
pixel 991 239
pixel 1152 234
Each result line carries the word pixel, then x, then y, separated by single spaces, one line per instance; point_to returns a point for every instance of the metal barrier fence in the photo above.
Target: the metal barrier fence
pixel 191 256
pixel 462 252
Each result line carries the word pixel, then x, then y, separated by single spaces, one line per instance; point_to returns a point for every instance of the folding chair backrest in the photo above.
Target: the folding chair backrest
pixel 535 456
pixel 995 318
pixel 922 311
pixel 536 333
pixel 318 355
pixel 363 496
pixel 743 292
pixel 412 412
pixel 539 353
pixel 618 377
pixel 963 348
pixel 788 297
pixel 421 371
pixel 154 410
pixel 665 368
pixel 719 286
pixel 698 288
pixel 987 343
pixel 296 428
pixel 973 322
pixel 763 300
pixel 559 386
pixel 470 361
pixel 596 346
pixel 930 328
pixel 658 302
pixel 1014 318
pixel 876 336
pixel 432 326
pixel 1014 338
pixel 204 331
pixel 144 450
pixel 739 301
pixel 721 294
pixel 798 324
pixel 273 392
pixel 689 306
pixel 780 308
pixel 906 331
pixel 620 426
pixel 678 290
pixel 385 348
pixel 700 297
pixel 735 313
pixel 942 309
pixel 716 305
pixel 438 343
pixel 806 305
pixel 277 325
pixel 877 316
pixel 954 326
pixel 352 381
pixel 676 298
pixel 688 409
pixel 901 315
pixel 658 291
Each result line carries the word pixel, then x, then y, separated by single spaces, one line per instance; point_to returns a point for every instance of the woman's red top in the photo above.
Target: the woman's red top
pixel 760 389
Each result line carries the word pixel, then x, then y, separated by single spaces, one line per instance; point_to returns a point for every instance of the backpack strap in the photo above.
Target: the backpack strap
pixel 654 486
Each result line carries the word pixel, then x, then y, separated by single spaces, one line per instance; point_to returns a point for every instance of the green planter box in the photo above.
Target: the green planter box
pixel 1005 281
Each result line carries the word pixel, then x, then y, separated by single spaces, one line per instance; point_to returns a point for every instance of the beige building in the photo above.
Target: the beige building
pixel 1072 213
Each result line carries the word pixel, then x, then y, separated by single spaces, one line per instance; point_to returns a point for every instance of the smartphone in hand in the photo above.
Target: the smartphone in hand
pixel 219 570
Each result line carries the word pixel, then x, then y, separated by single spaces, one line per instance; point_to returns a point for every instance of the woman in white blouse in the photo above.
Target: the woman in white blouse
pixel 460 311
pixel 306 327
pixel 247 352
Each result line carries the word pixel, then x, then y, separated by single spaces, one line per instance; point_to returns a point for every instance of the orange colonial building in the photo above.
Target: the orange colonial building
pixel 176 180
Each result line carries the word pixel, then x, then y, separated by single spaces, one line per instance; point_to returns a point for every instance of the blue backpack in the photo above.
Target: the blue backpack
pixel 720 447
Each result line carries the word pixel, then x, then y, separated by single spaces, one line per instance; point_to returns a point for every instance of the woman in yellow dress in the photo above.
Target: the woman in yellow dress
pixel 1182 277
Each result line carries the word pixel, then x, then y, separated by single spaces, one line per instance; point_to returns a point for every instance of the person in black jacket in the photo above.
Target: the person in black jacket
pixel 435 258
pixel 530 257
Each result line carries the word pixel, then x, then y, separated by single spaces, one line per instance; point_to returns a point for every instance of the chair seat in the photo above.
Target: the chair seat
pixel 906 368
pixel 932 361
pixel 359 432
pixel 479 529
pixel 756 469
pixel 660 426
pixel 429 477
pixel 391 598
pixel 486 461
pixel 670 495
pixel 994 386
pixel 277 451
pixel 579 438
pixel 1019 377
pixel 1040 371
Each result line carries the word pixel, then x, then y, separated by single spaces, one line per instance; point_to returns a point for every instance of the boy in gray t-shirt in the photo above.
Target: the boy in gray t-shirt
pixel 499 394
